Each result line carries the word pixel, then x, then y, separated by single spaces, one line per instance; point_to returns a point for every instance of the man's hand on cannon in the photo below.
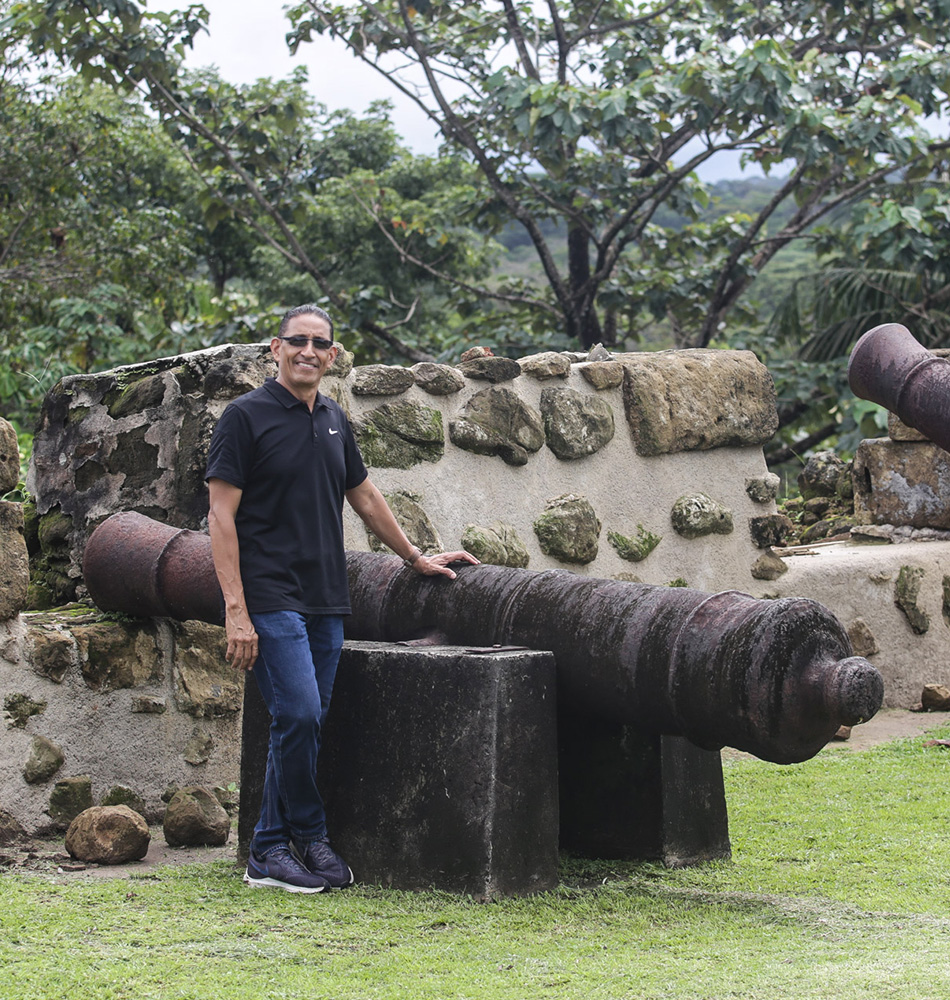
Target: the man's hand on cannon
pixel 438 564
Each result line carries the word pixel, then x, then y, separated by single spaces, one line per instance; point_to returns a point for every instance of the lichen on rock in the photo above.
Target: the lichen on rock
pixel 906 593
pixel 697 514
pixel 400 435
pixel 569 529
pixel 634 549
pixel 496 421
pixel 414 521
pixel 576 424
pixel 497 545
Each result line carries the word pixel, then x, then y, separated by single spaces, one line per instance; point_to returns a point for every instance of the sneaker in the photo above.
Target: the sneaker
pixel 323 862
pixel 281 870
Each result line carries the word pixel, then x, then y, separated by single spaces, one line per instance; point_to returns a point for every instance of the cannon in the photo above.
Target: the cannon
pixel 775 678
pixel 651 681
pixel 889 366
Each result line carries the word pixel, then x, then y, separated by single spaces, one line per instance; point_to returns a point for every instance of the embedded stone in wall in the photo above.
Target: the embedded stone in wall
pixel 602 374
pixel 763 489
pixel 413 520
pixel 142 394
pixel 11 829
pixel 205 685
pixel 119 795
pixel 768 567
pixel 496 421
pixel 45 759
pixel 575 424
pixel 438 380
pixel 18 708
pixel 228 379
pixel 342 364
pixel 50 650
pixel 634 549
pixel 400 435
pixel 50 582
pixel 114 655
pixel 108 835
pixel 69 798
pixel 490 369
pixel 902 484
pixel 697 400
pixel 906 593
pixel 199 748
pixel 195 818
pixel 547 364
pixel 769 530
pixel 14 561
pixel 697 514
pixel 9 457
pixel 497 545
pixel 820 476
pixel 381 380
pixel 147 704
pixel 569 529
pixel 862 638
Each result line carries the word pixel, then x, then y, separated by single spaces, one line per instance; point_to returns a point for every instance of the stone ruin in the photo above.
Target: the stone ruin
pixel 644 467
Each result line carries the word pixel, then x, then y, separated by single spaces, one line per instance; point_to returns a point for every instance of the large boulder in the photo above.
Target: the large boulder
pixel 195 818
pixel 108 835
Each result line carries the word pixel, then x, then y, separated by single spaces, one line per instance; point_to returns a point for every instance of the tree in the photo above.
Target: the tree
pixel 597 114
pixel 275 163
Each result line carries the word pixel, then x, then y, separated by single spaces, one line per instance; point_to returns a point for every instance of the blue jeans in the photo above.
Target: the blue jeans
pixel 295 669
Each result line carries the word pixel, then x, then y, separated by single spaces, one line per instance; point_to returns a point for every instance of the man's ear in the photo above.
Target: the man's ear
pixel 275 348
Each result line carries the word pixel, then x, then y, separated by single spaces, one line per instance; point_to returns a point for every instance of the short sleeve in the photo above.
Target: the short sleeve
pixel 355 468
pixel 232 448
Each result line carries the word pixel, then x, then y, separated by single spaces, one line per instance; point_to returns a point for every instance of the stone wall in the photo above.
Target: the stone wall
pixel 889 584
pixel 645 465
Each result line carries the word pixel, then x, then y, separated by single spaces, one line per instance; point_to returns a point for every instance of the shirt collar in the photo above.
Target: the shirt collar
pixel 287 398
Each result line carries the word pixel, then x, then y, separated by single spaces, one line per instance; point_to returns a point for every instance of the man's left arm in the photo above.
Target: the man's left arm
pixel 371 506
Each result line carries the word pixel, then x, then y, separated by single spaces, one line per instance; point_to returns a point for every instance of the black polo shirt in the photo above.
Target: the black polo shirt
pixel 293 467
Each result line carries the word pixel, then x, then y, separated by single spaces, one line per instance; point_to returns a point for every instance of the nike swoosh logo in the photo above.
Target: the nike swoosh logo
pixel 332 431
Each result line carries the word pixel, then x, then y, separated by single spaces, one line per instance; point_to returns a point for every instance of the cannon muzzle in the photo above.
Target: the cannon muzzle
pixel 890 367
pixel 774 678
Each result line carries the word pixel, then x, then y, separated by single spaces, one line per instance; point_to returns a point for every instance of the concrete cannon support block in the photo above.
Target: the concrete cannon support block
pixel 634 795
pixel 438 767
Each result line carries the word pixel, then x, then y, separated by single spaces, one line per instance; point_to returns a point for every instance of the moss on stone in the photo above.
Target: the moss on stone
pixel 20 707
pixel 678 582
pixel 634 549
pixel 906 592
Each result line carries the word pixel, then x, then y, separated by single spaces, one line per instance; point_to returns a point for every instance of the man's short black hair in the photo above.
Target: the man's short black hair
pixel 307 309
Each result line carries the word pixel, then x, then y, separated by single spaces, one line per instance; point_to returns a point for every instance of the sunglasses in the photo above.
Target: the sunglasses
pixel 319 344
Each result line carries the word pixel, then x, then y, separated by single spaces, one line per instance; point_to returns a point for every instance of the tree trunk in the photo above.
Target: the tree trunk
pixel 584 322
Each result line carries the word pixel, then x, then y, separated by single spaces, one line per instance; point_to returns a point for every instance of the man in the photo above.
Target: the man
pixel 282 460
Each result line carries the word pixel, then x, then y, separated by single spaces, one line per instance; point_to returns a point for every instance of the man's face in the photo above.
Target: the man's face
pixel 300 369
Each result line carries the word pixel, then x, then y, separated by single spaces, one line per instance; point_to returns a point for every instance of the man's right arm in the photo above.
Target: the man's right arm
pixel 224 500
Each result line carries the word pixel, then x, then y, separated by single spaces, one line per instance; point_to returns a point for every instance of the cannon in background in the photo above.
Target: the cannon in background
pixel 890 367
pixel 645 674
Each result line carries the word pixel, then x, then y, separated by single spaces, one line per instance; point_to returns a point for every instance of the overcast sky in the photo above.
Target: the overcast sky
pixel 246 41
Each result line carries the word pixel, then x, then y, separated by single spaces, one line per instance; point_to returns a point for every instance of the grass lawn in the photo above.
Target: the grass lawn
pixel 839 886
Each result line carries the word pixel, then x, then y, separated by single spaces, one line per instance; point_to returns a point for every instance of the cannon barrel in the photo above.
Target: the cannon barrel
pixel 890 367
pixel 774 678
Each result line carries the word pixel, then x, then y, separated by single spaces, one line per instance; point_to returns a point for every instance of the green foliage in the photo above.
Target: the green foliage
pixel 598 118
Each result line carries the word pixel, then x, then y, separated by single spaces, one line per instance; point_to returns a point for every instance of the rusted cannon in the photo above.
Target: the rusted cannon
pixel 890 367
pixel 774 678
